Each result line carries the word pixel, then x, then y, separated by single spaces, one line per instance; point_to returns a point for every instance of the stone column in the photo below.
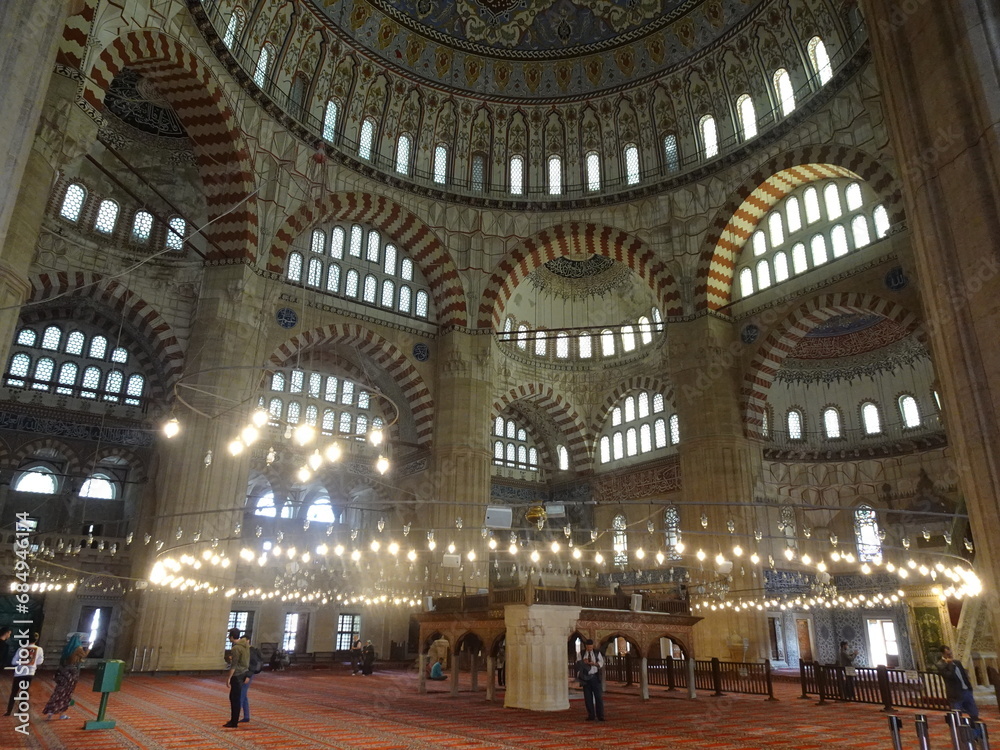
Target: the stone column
pixel 643 679
pixel 461 460
pixel 536 656
pixel 718 465
pixel 198 497
pixel 940 75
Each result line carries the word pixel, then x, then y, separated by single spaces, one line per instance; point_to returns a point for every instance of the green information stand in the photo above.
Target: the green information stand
pixel 107 680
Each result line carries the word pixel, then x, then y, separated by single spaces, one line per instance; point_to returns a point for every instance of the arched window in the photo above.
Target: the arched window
pixel 763 274
pixel 297 94
pixel 73 202
pixel 562 345
pixel 811 199
pixel 423 303
pixel 675 430
pixel 321 511
pixel 831 196
pixel 748 117
pixel 909 411
pixel 265 506
pixel 838 239
pixel 98 487
pixel 775 230
pixel 866 534
pixel 40 480
pixel 517 175
pixel 607 343
pixel 330 121
pixel 440 164
pixel 352 283
pixel 371 283
pixel 44 369
pixel 176 230
pixel 786 94
pixel 645 438
pixel 67 378
pixel 854 197
pixel 366 140
pixel 52 338
pixel 871 418
pixel 585 346
pixel 800 263
pixel 764 427
pixel 631 157
pixel 90 382
pixel 388 293
pixel 522 336
pixel 337 243
pixel 403 146
pixel 107 217
pixel 881 218
pixel 605 449
pixel 780 267
pixel 541 343
pixel 746 282
pixel 709 136
pixel 859 228
pixel 792 215
pixel 617 446
pixel 263 65
pixel 671 153
pixel 831 423
pixel 357 235
pixel 478 181
pixel 794 422
pixel 234 27
pixel 620 539
pixel 628 339
pixel 318 244
pixel 315 275
pixel 645 330
pixel 820 60
pixel 142 225
pixel 294 269
pixel 593 162
pixel 759 243
pixel 818 246
pixel 373 246
pixel 563 457
pixel 555 175
pixel 405 297
pixel 660 433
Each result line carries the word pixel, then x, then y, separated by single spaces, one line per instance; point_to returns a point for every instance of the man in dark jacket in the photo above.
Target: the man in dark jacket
pixel 239 672
pixel 957 683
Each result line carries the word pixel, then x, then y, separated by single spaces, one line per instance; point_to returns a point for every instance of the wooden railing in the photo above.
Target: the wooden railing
pixel 890 688
pixel 533 593
pixel 720 677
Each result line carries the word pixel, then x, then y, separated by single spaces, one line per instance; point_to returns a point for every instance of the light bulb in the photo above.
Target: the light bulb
pixel 755 558
pixel 339 550
pixel 719 559
pixel 376 437
pixel 738 551
pixel 356 555
pixel 471 555
pixel 315 461
pixel 679 547
pixel 806 559
pixel 451 548
pixel 249 435
pixel 493 544
pixel 375 546
pixel 382 465
pixel 555 546
pixel 304 474
pixel 512 548
pixel 577 554
pixel 599 558
pixel 789 553
pixel 700 554
pixel 171 428
pixel 393 548
pixel 304 434
pixel 260 417
pixel 431 545
pixel 640 553
pixel 411 555
pixel 535 556
pixel 236 447
pixel 322 549
pixel 660 558
pixel 333 452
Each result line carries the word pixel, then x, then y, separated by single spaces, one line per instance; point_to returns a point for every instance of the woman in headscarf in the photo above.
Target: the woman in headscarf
pixel 66 677
pixel 367 658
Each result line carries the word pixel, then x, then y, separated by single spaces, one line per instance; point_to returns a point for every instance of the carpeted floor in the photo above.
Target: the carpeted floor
pixel 328 709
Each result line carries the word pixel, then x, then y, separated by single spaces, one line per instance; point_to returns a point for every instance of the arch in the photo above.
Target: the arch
pixel 786 335
pixel 136 312
pixel 135 463
pixel 580 239
pixel 384 353
pixel 407 230
pixel 737 219
pixel 563 414
pixel 223 159
pixel 654 642
pixel 635 383
pixel 28 450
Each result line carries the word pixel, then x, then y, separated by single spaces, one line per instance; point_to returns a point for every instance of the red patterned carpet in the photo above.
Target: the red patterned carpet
pixel 327 709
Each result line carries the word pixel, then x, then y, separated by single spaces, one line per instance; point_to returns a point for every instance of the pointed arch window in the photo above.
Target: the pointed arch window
pixel 605 449
pixel 263 65
pixel 52 338
pixel 645 330
pixel 374 244
pixel 318 244
pixel 517 175
pixel 405 299
pixel 142 226
pixel 593 162
pixel 859 228
pixel 352 283
pixel 866 534
pixel 555 175
pixel 478 182
pixel 607 343
pixel 759 242
pixel 440 164
pixel 562 345
pixel 660 433
pixel 176 229
pixel 563 457
pixel 620 539
pixel 67 378
pixel 585 346
pixel 854 197
pixel 786 94
pixel 357 235
pixel 403 147
pixel 107 217
pixel 831 423
pixel 794 422
pixel 671 153
pixel 294 270
pixel 333 278
pixel 818 247
pixel 541 343
pixel 265 506
pixel 800 261
pixel 44 369
pixel 820 60
pixel 763 274
pixel 909 411
pixel 675 429
pixel 838 239
pixel 831 196
pixel 366 139
pixel 423 304
pixel 388 293
pixel 881 218
pixel 234 27
pixel 793 216
pixel 775 229
pixel 746 282
pixel 315 277
pixel 369 292
pixel 73 202
pixel 709 136
pixel 748 117
pixel 780 267
pixel 631 158
pixel 811 199
pixel 871 418
pixel 628 339
pixel 330 121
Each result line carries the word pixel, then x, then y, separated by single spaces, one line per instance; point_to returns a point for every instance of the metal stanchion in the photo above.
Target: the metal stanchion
pixel 984 736
pixel 923 736
pixel 895 728
pixel 952 720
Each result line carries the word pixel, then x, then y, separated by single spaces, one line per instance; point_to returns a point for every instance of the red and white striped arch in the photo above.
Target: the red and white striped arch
pixel 416 395
pixel 168 357
pixel 409 232
pixel 564 416
pixel 783 339
pixel 580 239
pixel 221 153
pixel 761 191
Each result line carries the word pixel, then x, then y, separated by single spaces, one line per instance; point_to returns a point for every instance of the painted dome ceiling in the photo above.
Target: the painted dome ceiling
pixel 533 48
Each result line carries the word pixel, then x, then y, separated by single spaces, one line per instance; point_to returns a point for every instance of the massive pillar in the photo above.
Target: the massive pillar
pixel 939 64
pixel 536 676
pixel 719 468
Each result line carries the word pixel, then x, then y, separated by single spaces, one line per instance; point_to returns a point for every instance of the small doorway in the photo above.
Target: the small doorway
pixel 776 639
pixel 882 644
pixel 94 623
pixel 803 632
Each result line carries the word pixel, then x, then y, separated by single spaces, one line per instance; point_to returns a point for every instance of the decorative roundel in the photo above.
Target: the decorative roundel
pixel 421 352
pixel 749 333
pixel 286 317
pixel 896 280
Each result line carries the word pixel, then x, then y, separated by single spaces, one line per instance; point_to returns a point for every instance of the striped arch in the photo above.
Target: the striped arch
pixel 384 353
pixel 786 335
pixel 135 464
pixel 564 416
pixel 166 350
pixel 29 450
pixel 765 188
pixel 409 231
pixel 223 158
pixel 576 238
pixel 635 383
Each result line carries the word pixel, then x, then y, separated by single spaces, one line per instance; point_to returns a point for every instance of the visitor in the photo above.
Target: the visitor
pixel 236 677
pixel 367 658
pixel 66 676
pixel 356 650
pixel 957 684
pixel 437 671
pixel 845 660
pixel 24 662
pixel 590 680
pixel 502 667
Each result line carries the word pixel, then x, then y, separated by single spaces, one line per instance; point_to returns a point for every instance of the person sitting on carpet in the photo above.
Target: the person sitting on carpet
pixel 437 671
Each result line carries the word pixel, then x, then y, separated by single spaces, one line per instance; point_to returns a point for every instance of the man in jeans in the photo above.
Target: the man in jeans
pixel 958 685
pixel 239 672
pixel 590 679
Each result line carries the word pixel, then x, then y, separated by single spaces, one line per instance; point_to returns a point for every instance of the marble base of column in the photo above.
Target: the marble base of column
pixel 537 678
